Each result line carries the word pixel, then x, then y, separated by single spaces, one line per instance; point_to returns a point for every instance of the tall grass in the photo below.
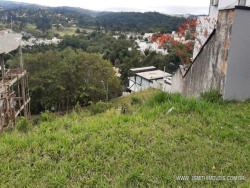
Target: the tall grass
pixel 148 147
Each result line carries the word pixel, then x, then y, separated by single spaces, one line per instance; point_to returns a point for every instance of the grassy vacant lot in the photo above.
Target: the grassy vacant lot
pixel 159 137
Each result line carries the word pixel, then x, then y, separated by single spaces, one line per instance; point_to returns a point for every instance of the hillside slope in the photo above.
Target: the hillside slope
pixel 23 13
pixel 135 21
pixel 157 138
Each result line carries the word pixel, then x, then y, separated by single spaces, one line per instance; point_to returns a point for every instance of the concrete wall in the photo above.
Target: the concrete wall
pixel 213 10
pixel 204 28
pixel 228 4
pixel 177 82
pixel 209 68
pixel 238 73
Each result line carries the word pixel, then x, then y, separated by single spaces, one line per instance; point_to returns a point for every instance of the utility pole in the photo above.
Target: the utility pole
pixel 107 93
pixel 11 23
pixel 2 66
pixel 106 88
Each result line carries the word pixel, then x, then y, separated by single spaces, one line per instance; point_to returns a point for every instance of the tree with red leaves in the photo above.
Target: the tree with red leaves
pixel 190 26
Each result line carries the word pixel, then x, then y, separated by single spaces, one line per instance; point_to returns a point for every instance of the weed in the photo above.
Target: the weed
pixel 99 107
pixel 136 100
pixel 23 125
pixel 212 96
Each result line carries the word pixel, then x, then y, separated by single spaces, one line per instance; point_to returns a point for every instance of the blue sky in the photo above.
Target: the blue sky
pixel 165 6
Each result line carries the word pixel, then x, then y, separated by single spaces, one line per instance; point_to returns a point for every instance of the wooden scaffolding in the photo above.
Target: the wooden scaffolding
pixel 14 93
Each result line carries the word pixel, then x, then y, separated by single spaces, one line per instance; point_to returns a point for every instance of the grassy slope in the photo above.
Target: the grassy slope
pixel 146 147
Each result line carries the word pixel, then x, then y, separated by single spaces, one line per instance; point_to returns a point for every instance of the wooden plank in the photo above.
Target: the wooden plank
pixel 22 108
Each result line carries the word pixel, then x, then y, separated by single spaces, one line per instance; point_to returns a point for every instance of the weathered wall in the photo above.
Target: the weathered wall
pixel 238 73
pixel 204 28
pixel 209 68
pixel 177 82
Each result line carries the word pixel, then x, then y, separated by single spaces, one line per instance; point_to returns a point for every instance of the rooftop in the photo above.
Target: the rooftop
pixel 9 41
pixel 143 69
pixel 154 75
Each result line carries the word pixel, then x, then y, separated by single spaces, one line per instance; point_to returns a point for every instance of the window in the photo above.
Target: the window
pixel 242 2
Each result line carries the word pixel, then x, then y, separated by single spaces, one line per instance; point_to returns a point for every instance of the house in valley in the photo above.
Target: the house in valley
pixel 148 77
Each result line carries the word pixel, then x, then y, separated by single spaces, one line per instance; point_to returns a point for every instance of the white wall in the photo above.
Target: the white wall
pixel 227 4
pixel 137 84
pixel 213 11
pixel 143 84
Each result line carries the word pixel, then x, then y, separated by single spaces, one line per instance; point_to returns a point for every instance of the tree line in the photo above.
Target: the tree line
pixel 60 80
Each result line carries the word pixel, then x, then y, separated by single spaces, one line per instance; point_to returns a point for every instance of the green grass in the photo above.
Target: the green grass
pixel 147 147
pixel 65 31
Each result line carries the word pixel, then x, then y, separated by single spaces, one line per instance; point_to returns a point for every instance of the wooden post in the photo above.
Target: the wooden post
pixel 21 57
pixel 2 67
pixel 107 92
pixel 23 87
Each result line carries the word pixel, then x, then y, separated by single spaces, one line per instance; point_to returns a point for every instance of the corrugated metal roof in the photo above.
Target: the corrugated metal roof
pixel 9 41
pixel 143 69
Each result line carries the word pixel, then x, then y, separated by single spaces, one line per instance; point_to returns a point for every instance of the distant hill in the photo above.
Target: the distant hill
pixel 118 21
pixel 149 21
pixel 15 5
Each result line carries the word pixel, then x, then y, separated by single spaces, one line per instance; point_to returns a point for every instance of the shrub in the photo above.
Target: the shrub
pixel 159 98
pixel 99 107
pixel 77 108
pixel 46 117
pixel 135 100
pixel 125 109
pixel 212 96
pixel 23 125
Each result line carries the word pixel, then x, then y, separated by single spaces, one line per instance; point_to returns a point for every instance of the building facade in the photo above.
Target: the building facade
pixel 148 77
pixel 222 61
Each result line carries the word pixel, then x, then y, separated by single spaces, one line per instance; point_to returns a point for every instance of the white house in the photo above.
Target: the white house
pixel 148 77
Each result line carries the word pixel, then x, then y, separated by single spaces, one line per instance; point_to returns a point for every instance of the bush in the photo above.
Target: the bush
pixel 212 96
pixel 125 109
pixel 23 125
pixel 46 117
pixel 159 98
pixel 77 108
pixel 98 108
pixel 135 100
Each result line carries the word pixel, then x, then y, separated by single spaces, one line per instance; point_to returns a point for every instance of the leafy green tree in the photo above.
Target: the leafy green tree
pixel 61 79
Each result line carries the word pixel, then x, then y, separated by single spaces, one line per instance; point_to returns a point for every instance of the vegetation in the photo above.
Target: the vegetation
pixel 44 18
pixel 139 22
pixel 61 79
pixel 148 147
pixel 118 53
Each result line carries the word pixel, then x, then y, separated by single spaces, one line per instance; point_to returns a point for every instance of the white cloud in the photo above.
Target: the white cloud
pixel 166 6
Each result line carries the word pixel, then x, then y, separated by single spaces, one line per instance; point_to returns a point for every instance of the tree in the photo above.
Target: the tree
pixel 43 24
pixel 61 79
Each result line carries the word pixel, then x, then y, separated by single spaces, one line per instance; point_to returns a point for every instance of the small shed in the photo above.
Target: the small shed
pixel 147 77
